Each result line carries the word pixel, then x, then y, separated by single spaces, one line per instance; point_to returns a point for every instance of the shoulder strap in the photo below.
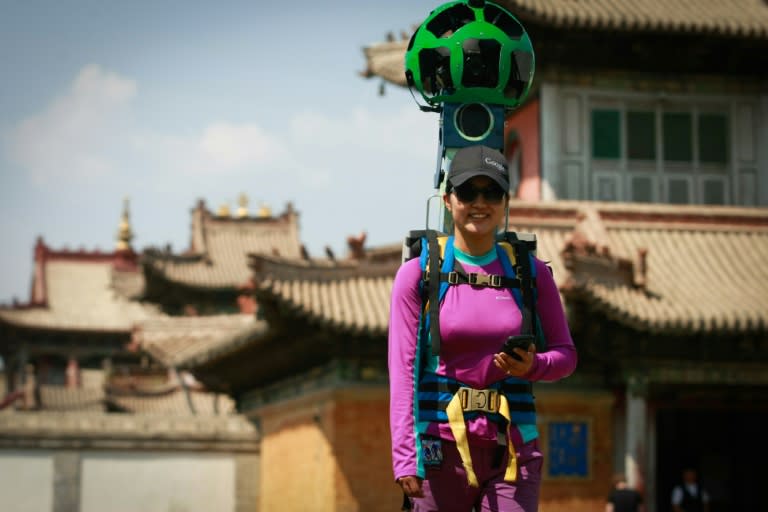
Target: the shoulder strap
pixel 433 260
pixel 435 251
pixel 525 274
pixel 520 252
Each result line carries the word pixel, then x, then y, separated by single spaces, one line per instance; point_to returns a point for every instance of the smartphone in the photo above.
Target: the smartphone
pixel 522 341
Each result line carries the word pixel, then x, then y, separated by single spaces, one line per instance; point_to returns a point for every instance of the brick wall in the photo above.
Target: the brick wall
pixel 329 451
pixel 297 471
pixel 363 453
pixel 582 494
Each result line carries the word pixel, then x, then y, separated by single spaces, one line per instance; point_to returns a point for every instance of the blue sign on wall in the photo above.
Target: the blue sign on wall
pixel 568 449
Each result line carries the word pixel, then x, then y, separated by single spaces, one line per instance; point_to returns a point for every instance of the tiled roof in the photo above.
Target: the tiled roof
pixel 742 18
pixel 173 401
pixel 176 403
pixel 651 267
pixel 734 18
pixel 679 270
pixel 220 244
pixel 351 296
pixel 386 60
pixel 60 398
pixel 129 284
pixel 179 341
pixel 79 296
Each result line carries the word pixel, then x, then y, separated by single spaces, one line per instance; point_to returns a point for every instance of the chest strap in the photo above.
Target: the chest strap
pixel 458 276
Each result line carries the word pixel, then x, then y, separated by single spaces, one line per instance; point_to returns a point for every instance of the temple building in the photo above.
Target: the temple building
pixel 244 373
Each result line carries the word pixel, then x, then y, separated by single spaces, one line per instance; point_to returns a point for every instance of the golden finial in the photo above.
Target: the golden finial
pixel 242 210
pixel 124 232
pixel 265 210
pixel 223 210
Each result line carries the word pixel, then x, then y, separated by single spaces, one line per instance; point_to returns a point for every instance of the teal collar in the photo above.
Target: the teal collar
pixel 477 261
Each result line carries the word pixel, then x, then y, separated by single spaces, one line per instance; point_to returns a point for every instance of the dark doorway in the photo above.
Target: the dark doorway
pixel 727 446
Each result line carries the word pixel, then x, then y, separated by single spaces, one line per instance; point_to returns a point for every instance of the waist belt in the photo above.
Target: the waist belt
pixel 436 392
pixel 485 400
pixel 444 399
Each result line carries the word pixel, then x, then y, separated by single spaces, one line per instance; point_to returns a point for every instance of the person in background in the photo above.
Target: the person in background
pixel 690 496
pixel 477 462
pixel 623 498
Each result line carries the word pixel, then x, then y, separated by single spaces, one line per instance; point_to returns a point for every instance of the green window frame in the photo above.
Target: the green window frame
pixel 641 135
pixel 606 134
pixel 713 138
pixel 677 133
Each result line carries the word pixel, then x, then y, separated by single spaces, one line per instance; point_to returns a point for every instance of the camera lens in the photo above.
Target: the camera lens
pixel 473 121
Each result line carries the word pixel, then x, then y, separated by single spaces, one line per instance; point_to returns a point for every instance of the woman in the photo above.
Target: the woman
pixel 501 469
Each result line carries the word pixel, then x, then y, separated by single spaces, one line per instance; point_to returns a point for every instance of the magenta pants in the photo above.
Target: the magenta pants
pixel 446 488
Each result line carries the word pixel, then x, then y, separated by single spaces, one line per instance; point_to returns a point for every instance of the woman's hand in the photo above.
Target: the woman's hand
pixel 512 366
pixel 411 486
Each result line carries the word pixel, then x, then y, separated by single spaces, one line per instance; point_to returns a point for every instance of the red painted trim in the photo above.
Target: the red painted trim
pixel 525 123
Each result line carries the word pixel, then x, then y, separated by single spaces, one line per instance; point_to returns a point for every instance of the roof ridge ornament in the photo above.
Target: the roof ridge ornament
pixel 124 232
pixel 242 202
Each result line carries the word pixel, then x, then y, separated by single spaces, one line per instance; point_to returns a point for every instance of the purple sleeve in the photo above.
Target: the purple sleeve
pixel 403 324
pixel 559 360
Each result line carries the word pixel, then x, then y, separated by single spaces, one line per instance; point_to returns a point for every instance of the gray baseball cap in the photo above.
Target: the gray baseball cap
pixel 478 160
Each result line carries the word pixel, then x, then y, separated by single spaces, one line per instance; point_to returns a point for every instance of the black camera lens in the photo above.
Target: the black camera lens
pixel 473 121
pixel 481 62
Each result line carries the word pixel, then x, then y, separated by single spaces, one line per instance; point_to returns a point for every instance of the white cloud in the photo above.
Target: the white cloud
pixel 83 133
pixel 219 148
pixel 391 131
pixel 72 137
pixel 364 142
pixel 229 145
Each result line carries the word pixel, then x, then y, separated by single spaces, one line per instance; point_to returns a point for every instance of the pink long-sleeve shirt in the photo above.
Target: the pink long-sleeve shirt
pixel 474 322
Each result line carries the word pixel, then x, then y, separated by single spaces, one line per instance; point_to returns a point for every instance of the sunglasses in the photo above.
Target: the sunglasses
pixel 466 193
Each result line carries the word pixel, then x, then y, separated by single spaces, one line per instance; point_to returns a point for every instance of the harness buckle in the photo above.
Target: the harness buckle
pixel 485 400
pixel 491 280
pixel 453 277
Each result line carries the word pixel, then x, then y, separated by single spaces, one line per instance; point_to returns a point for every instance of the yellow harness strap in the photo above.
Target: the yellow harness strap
pixel 455 412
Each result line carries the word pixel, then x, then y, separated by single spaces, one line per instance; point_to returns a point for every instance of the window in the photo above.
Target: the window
pixel 678 191
pixel 641 135
pixel 642 189
pixel 677 137
pixel 713 139
pixel 646 151
pixel 605 134
pixel 713 191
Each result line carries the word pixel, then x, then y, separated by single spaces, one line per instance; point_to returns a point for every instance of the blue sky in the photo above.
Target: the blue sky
pixel 167 101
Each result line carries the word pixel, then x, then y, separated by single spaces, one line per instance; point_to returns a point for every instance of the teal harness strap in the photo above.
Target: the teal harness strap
pixel 510 271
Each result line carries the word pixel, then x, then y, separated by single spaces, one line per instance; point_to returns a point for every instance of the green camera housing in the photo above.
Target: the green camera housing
pixel 471 52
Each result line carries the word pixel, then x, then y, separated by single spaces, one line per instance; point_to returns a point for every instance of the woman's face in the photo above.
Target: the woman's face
pixel 478 217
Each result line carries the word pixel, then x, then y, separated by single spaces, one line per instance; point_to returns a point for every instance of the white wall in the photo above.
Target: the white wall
pixel 26 481
pixel 152 482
